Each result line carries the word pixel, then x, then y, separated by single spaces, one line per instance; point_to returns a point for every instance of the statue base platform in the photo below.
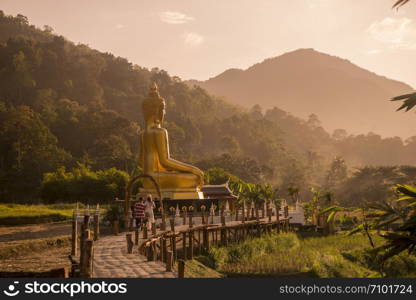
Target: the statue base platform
pixel 174 194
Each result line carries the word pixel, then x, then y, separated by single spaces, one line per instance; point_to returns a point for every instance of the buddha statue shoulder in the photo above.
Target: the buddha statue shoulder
pixel 155 158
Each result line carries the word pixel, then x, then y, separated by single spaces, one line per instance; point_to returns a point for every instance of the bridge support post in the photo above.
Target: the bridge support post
pixel 181 268
pixel 74 240
pixel 129 243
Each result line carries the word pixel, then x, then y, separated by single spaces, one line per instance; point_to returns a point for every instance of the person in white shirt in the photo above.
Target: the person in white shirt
pixel 149 206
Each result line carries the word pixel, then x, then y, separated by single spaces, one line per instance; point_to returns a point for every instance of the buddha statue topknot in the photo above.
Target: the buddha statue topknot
pixel 177 180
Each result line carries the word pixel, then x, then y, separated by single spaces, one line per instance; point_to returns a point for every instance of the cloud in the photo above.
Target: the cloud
pixel 193 39
pixel 398 33
pixel 174 17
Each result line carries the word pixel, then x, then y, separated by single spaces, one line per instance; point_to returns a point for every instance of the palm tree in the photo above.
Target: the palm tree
pixel 256 194
pixel 409 100
pixel 404 238
pixel 237 187
pixel 402 212
pixel 293 193
pixel 268 195
pixel 272 196
pixel 400 3
pixel 246 192
pixel 252 193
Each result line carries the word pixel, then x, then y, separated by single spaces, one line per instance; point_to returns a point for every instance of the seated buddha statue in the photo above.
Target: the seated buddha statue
pixel 178 179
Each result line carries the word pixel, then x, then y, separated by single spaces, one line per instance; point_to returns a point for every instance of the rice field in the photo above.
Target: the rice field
pixel 19 214
pixel 290 255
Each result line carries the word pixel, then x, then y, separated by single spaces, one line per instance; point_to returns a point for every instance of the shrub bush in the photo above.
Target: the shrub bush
pixel 83 185
pixel 114 213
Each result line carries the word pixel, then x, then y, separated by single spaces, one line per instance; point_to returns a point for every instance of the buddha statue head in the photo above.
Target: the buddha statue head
pixel 153 107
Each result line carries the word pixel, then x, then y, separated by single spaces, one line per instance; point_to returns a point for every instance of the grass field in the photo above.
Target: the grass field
pixel 196 269
pixel 288 255
pixel 19 214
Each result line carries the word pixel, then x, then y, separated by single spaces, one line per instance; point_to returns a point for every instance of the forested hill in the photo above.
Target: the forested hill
pixel 306 81
pixel 63 104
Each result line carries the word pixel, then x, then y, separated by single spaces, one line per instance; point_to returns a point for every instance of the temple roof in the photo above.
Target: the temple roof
pixel 216 191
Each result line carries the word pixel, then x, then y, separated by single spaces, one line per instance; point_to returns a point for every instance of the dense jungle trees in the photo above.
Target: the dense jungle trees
pixel 63 104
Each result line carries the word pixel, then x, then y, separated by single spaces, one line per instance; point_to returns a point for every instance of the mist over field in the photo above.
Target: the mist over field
pixel 305 81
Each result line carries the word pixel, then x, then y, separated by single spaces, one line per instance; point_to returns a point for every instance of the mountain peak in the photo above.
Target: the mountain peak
pixel 230 74
pixel 304 51
pixel 306 81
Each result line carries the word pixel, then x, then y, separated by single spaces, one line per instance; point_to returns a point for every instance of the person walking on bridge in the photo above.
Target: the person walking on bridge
pixel 149 206
pixel 138 213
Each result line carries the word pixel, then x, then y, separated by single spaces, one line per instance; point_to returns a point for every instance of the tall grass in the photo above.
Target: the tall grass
pixel 288 255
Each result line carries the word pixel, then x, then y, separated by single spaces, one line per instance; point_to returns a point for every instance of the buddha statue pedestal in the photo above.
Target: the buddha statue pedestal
pixel 173 194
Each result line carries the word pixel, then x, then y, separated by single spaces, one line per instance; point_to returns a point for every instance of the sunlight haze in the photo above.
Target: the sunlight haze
pixel 200 39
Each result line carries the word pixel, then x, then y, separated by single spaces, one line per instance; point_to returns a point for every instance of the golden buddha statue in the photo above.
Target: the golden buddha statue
pixel 177 180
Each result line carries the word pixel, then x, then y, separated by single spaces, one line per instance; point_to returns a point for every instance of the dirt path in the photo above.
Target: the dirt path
pixel 37 261
pixel 35 231
pixel 32 247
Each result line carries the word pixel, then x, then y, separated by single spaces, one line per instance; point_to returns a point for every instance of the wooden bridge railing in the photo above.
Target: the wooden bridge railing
pixel 171 246
pixel 82 242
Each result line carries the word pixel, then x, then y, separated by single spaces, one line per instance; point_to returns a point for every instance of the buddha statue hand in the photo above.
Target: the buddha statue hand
pixel 199 174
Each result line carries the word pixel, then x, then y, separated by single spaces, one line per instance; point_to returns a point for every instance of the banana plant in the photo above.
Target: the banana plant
pixel 365 227
pixel 265 192
pixel 403 238
pixel 401 212
pixel 237 188
pixel 252 192
pixel 332 211
pixel 314 205
pixel 242 189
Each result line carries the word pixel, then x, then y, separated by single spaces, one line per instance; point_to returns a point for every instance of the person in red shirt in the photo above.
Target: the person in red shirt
pixel 138 213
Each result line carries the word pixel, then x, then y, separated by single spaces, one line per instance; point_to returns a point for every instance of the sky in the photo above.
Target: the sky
pixel 199 39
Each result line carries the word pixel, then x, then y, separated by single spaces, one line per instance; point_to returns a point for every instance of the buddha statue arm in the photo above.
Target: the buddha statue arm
pixel 172 164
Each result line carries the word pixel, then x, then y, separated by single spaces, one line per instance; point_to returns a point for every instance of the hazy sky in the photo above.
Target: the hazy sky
pixel 198 39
